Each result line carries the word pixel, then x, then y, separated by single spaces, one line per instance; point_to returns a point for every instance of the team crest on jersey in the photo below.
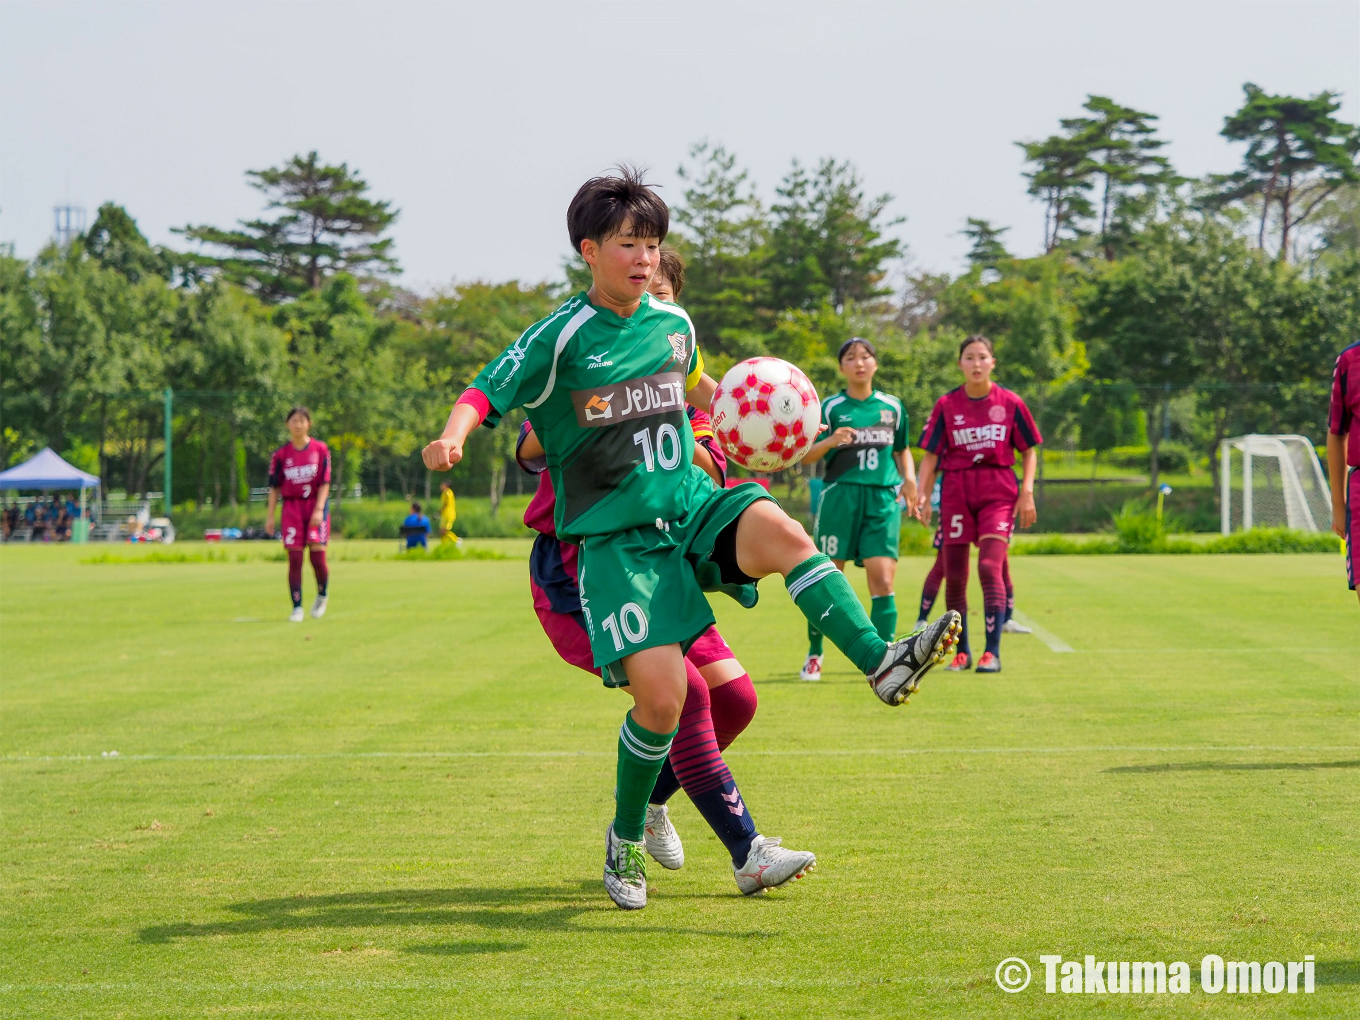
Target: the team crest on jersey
pixel 885 417
pixel 997 413
pixel 680 345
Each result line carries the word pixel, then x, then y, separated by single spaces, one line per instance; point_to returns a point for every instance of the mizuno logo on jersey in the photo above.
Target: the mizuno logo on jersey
pixel 633 398
pixel 597 360
pixel 980 434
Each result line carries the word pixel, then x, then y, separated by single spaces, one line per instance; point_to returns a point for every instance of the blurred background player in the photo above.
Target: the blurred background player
pixel 300 474
pixel 448 512
pixel 972 435
pixel 868 469
pixel 720 700
pixel 416 528
pixel 935 577
pixel 1343 454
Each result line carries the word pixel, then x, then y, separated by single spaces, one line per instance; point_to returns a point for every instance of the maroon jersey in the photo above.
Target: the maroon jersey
pixel 1344 419
pixel 297 474
pixel 986 432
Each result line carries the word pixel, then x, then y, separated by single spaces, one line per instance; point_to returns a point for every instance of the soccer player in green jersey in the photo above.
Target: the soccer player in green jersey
pixel 604 381
pixel 869 473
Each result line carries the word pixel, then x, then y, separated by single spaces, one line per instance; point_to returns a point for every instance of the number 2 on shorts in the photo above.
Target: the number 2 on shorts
pixel 631 621
pixel 288 538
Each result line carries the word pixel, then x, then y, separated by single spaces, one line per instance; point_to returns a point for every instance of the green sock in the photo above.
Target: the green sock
pixel 641 755
pixel 825 597
pixel 814 640
pixel 883 613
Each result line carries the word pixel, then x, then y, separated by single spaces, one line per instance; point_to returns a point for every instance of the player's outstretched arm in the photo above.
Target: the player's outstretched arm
pixel 447 450
pixel 1336 475
pixel 702 394
pixel 924 486
pixel 1025 512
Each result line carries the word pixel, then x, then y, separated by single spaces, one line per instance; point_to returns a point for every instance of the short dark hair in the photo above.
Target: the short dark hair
pixel 845 348
pixel 299 410
pixel 415 507
pixel 672 267
pixel 976 338
pixel 603 203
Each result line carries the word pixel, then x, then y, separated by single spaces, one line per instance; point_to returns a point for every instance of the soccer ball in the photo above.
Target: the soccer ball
pixel 766 414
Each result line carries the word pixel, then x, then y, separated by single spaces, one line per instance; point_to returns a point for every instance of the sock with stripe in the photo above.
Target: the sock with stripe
pixel 956 587
pixel 641 755
pixel 883 615
pixel 734 706
pixel 295 576
pixel 815 644
pixel 991 570
pixel 930 590
pixel 825 598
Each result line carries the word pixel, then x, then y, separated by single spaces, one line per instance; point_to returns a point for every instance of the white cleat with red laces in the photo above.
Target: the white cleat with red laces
pixel 769 865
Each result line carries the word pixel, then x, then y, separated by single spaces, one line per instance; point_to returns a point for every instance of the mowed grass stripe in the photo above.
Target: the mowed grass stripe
pixel 402 816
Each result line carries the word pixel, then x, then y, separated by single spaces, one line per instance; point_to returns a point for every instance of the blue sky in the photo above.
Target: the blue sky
pixel 479 120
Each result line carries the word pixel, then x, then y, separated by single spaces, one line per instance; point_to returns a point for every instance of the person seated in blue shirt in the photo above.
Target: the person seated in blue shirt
pixel 416 519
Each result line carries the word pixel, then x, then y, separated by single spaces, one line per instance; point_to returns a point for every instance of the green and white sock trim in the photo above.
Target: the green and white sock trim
pixel 815 572
pixel 647 752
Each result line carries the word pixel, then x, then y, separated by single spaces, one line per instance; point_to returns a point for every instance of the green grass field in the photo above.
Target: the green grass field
pixel 398 811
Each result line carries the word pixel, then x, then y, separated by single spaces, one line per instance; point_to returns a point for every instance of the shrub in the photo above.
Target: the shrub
pixel 449 551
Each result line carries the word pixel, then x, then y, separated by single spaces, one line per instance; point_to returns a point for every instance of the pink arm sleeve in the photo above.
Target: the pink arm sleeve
pixel 477 400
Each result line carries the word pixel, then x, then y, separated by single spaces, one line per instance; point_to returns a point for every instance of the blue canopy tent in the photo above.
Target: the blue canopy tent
pixel 48 471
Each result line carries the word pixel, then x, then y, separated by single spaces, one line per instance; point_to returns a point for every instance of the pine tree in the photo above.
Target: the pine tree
pixel 327 226
pixel 987 249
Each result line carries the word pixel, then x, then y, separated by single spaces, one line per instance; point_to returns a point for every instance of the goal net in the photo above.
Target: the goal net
pixel 1272 482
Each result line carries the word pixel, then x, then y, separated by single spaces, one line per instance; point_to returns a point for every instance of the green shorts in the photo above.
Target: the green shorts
pixel 644 587
pixel 855 522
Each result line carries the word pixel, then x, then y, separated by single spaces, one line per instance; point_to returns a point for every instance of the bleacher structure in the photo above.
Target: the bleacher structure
pixel 1272 482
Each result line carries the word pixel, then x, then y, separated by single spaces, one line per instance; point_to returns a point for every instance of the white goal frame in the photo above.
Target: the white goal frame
pixel 1288 451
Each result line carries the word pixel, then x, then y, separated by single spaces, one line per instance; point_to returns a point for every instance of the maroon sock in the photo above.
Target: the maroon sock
pixel 991 564
pixel 295 576
pixel 323 574
pixel 733 706
pixel 956 586
pixel 930 591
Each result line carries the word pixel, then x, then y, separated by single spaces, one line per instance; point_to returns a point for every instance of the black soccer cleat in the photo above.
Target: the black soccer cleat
pixel 910 658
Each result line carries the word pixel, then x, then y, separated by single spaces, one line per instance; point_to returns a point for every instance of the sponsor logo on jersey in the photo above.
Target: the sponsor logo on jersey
pixel 629 399
pixel 997 413
pixel 597 361
pixel 979 435
pixel 874 435
pixel 680 345
pixel 301 473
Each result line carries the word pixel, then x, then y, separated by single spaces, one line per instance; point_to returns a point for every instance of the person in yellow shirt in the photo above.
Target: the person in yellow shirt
pixel 448 512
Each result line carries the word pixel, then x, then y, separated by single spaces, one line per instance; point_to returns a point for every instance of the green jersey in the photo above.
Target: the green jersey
pixel 606 396
pixel 880 426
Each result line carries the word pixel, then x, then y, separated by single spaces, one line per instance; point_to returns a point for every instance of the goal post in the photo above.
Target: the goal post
pixel 1272 482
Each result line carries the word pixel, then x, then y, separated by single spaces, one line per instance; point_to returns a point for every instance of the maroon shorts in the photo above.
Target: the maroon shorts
pixel 709 648
pixel 977 501
pixel 298 532
pixel 1352 523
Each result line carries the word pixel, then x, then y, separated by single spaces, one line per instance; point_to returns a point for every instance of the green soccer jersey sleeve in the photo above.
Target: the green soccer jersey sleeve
pixel 902 437
pixel 524 373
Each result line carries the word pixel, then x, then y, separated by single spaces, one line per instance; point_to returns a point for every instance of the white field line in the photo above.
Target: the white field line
pixel 1054 642
pixel 780 753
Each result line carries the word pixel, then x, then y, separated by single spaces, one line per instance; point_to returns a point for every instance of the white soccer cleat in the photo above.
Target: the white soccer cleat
pixel 661 839
pixel 625 871
pixel 911 658
pixel 1012 627
pixel 768 865
pixel 812 669
pixel 319 607
pixel 296 615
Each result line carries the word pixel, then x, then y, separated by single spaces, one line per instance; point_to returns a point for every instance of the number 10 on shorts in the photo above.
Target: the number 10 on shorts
pixel 630 622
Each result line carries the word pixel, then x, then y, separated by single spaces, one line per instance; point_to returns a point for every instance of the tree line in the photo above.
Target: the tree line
pixel 1160 307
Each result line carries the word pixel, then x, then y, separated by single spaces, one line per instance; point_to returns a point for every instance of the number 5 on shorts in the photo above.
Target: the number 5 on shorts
pixel 956 526
pixel 631 621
